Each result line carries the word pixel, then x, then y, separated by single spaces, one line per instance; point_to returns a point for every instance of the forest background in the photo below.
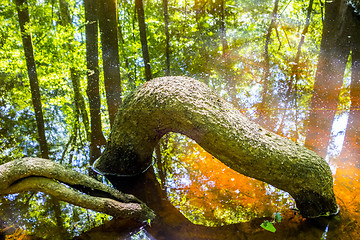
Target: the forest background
pixel 66 65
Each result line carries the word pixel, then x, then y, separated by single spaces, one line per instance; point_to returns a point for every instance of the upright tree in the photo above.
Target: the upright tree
pixel 167 37
pixel 224 43
pixel 107 12
pixel 334 53
pixel 139 5
pixel 125 56
pixel 24 22
pixel 79 101
pixel 92 63
pixel 352 135
pixel 266 75
pixel 292 92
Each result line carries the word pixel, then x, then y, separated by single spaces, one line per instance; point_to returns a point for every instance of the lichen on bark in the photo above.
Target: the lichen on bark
pixel 37 174
pixel 187 106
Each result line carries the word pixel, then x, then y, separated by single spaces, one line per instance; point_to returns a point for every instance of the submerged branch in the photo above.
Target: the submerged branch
pixel 37 174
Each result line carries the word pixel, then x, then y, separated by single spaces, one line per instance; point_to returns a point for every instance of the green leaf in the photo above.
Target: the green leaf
pixel 278 217
pixel 268 226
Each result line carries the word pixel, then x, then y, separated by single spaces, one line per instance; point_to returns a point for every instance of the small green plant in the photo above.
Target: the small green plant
pixel 269 226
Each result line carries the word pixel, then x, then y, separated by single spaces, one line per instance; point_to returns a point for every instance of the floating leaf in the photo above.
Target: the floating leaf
pixel 269 226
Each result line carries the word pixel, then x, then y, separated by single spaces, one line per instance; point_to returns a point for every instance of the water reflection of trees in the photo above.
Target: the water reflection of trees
pixel 231 45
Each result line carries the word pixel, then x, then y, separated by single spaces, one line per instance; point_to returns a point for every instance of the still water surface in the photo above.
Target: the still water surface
pixel 195 196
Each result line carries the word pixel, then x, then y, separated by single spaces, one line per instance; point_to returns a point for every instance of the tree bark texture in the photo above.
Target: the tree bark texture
pixel 189 107
pixel 110 53
pixel 24 22
pixel 139 5
pixel 37 174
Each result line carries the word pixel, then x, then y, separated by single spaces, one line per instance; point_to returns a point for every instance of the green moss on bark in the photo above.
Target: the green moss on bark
pixel 187 106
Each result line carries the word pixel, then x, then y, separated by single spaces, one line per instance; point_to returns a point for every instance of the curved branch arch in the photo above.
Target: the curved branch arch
pixel 189 107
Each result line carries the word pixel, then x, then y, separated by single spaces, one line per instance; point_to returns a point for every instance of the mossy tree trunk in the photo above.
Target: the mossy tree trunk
pixel 37 174
pixel 187 106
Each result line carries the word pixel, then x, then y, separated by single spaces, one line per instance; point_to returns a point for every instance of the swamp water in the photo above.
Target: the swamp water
pixel 197 197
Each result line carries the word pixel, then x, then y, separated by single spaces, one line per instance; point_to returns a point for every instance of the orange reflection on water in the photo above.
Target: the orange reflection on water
pixel 347 192
pixel 217 195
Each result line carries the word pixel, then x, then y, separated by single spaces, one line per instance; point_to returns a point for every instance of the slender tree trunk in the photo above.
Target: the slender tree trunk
pixel 334 53
pixel 352 135
pixel 80 106
pixel 144 46
pixel 79 100
pixel 265 104
pixel 225 45
pixel 24 22
pixel 225 65
pixel 109 43
pixel 302 40
pixel 167 37
pixel 295 73
pixel 92 54
pixel 127 64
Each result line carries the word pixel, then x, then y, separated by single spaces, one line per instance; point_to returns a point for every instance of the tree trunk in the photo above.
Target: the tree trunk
pixel 295 69
pixel 187 106
pixel 167 37
pixel 334 53
pixel 265 104
pixel 110 53
pixel 225 67
pixel 92 54
pixel 79 101
pixel 295 72
pixel 24 22
pixel 123 47
pixel 142 28
pixel 352 136
pixel 224 43
pixel 36 174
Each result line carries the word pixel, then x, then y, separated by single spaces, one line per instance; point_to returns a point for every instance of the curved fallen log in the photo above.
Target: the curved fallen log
pixel 187 106
pixel 37 174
